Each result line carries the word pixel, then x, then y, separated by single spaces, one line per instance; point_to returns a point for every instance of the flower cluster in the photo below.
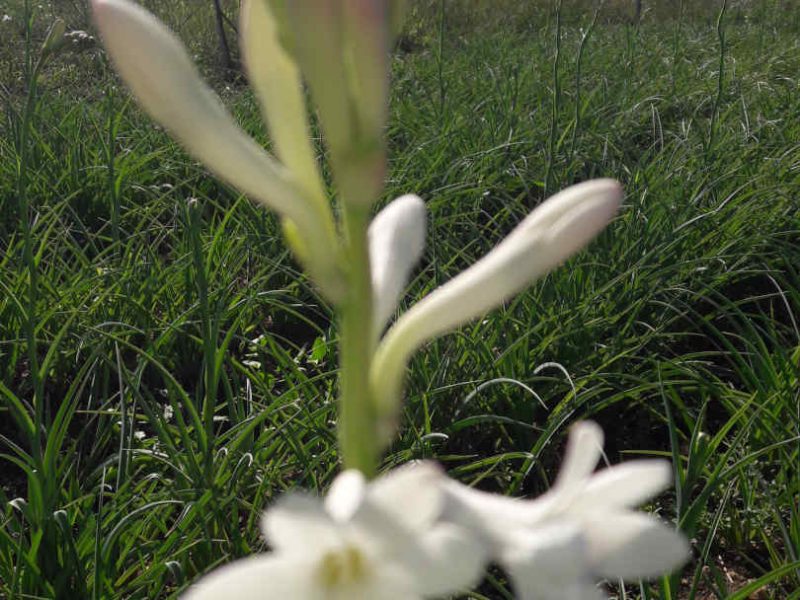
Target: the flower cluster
pixel 343 56
pixel 414 533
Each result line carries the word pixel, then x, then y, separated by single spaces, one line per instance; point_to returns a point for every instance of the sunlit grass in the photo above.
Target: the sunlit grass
pixel 677 329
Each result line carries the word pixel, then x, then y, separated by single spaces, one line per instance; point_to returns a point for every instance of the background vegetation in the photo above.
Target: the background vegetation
pixel 677 330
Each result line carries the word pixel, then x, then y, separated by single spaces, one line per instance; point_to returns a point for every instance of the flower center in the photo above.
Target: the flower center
pixel 341 568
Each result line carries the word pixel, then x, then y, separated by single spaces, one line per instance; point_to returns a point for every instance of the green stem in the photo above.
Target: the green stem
pixel 556 104
pixel 41 414
pixel 712 130
pixel 440 58
pixel 578 64
pixel 358 436
pixel 208 332
pixel 110 159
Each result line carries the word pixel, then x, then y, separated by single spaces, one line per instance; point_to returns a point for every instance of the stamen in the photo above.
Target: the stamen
pixel 342 568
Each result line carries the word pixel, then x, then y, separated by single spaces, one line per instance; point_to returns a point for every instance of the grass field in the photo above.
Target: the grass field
pixel 676 330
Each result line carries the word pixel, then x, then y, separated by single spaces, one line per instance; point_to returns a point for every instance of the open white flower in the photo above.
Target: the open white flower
pixel 376 541
pixel 552 233
pixel 555 546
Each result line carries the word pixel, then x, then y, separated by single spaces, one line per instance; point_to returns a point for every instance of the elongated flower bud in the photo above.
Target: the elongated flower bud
pixel 342 48
pixel 546 238
pixel 396 242
pixel 156 67
pixel 274 76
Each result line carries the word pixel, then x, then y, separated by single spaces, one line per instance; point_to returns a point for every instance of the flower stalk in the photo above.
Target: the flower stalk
pixel 357 418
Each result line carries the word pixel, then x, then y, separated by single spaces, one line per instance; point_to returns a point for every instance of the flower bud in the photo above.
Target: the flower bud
pixel 547 237
pixel 344 57
pixel 55 37
pixel 396 242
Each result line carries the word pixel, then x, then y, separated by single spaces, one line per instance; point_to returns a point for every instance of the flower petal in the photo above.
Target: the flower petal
pixel 345 495
pixel 256 578
pixel 584 448
pixel 492 516
pixel 549 563
pixel 155 65
pixel 633 545
pixel 452 560
pixel 411 494
pixel 396 242
pixel 562 204
pixel 298 523
pixel 624 486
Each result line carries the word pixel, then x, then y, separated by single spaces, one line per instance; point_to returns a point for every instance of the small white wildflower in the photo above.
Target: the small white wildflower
pixel 555 546
pixel 380 541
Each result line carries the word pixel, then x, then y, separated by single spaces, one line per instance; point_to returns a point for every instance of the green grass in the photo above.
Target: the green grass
pixel 677 330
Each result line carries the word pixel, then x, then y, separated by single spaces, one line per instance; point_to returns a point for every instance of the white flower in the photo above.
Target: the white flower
pixel 552 233
pixel 376 541
pixel 554 547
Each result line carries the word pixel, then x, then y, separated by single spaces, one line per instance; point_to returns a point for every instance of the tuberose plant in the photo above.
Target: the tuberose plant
pixel 411 533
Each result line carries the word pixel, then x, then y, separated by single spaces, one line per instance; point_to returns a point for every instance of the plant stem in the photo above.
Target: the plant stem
pixel 358 437
pixel 208 331
pixel 578 63
pixel 110 159
pixel 676 46
pixel 41 416
pixel 555 106
pixel 712 130
pixel 440 58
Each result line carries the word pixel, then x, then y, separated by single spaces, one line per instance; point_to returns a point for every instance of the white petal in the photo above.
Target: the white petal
pixel 154 63
pixel 452 560
pixel 549 562
pixel 528 252
pixel 624 486
pixel 345 495
pixel 411 494
pixel 494 517
pixel 584 448
pixel 396 242
pixel 298 523
pixel 633 545
pixel 256 578
pixel 547 237
pixel 276 80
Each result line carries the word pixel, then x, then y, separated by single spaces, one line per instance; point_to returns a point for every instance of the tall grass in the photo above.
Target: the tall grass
pixel 189 367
